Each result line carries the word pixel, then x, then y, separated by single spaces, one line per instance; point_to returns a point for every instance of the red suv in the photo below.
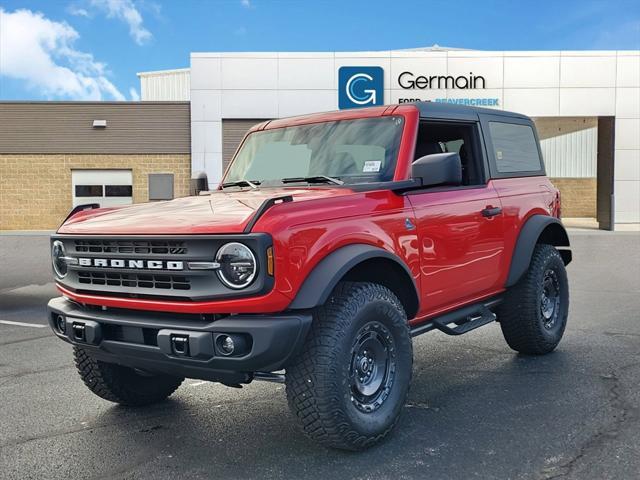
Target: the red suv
pixel 332 240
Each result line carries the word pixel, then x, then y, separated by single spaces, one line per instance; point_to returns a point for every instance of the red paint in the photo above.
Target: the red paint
pixel 456 255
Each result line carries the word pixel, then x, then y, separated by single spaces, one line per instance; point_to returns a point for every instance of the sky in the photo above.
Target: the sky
pixel 92 49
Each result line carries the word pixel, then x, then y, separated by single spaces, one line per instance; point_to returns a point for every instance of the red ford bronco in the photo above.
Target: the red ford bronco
pixel 332 240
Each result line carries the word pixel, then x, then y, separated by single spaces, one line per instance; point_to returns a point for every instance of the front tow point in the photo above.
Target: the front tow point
pixel 186 344
pixel 180 345
pixel 85 331
pixel 79 332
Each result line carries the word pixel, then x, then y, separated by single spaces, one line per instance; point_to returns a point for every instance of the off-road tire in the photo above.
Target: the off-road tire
pixel 123 385
pixel 318 382
pixel 521 314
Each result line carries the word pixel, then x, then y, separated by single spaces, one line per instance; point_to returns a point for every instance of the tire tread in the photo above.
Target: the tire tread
pixel 518 314
pixel 312 390
pixel 120 384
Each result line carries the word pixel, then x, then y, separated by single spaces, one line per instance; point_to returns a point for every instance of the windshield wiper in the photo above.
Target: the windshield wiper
pixel 242 183
pixel 313 179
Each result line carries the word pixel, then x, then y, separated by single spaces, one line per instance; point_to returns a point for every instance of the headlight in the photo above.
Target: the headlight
pixel 58 258
pixel 237 265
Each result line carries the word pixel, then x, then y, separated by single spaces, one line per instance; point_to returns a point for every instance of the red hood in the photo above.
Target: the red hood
pixel 220 212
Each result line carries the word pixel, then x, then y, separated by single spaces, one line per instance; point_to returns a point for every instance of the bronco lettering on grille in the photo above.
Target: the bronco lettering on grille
pixel 133 264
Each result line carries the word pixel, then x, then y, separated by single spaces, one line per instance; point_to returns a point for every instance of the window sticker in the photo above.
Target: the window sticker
pixel 499 154
pixel 371 166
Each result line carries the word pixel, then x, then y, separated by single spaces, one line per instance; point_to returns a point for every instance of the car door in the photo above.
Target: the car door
pixel 461 240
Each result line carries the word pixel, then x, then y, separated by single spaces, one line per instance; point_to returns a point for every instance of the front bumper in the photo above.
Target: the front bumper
pixel 182 344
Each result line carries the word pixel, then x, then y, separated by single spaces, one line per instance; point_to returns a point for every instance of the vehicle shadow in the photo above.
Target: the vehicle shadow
pixel 473 411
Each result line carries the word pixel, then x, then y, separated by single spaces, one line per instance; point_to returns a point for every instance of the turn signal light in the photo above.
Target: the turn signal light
pixel 270 261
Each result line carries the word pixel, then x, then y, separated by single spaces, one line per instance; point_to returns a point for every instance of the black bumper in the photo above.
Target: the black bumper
pixel 182 345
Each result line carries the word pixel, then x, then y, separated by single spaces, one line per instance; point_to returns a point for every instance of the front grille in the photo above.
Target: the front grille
pixel 157 267
pixel 135 280
pixel 138 247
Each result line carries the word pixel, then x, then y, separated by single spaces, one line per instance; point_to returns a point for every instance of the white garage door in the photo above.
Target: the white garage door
pixel 569 146
pixel 105 187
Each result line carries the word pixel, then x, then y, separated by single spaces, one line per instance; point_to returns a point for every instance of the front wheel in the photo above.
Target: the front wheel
pixel 349 384
pixel 534 314
pixel 123 385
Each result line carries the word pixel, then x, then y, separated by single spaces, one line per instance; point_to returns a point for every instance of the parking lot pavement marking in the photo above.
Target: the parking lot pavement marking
pixel 22 324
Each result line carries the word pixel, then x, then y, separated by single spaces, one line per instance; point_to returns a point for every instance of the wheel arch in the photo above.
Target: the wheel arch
pixel 537 229
pixel 358 262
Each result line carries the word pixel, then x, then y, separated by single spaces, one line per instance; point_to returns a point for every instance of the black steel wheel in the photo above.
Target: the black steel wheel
pixel 373 366
pixel 550 299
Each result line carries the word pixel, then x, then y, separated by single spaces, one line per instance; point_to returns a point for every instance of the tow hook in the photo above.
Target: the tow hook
pixel 85 331
pixel 186 344
pixel 78 332
pixel 180 345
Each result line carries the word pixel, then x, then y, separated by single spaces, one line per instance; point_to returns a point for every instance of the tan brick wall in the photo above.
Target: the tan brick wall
pixel 578 196
pixel 35 190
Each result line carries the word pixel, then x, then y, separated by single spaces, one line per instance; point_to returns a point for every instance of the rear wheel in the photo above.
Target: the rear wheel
pixel 534 314
pixel 123 385
pixel 349 385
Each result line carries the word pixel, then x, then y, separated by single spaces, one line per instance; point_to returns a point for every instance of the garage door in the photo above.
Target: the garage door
pixel 107 188
pixel 233 132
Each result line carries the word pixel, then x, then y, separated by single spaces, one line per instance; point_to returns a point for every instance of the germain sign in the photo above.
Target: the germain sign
pixel 408 80
pixel 362 86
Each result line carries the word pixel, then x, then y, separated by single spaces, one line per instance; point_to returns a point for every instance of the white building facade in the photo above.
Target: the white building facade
pixel 586 103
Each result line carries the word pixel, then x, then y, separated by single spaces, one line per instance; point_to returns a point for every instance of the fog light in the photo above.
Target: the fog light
pixel 232 344
pixel 61 324
pixel 226 344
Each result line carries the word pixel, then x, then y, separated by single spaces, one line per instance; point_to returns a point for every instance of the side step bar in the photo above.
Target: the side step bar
pixel 460 321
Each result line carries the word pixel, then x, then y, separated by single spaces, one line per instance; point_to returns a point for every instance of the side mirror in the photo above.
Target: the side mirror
pixel 199 183
pixel 438 169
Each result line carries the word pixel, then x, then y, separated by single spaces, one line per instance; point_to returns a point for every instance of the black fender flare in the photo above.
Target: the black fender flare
pixel 324 277
pixel 537 226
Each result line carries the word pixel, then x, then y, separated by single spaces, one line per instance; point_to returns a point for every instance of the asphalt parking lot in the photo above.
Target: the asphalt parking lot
pixel 476 409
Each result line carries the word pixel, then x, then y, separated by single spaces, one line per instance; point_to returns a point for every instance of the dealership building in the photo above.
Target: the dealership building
pixel 586 105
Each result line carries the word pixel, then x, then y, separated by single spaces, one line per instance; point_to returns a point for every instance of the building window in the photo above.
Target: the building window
pixel 118 190
pixel 88 190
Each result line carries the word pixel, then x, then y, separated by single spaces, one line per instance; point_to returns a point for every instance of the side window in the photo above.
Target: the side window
pixel 515 148
pixel 461 138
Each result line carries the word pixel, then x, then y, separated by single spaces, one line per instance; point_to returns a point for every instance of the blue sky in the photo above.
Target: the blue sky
pixel 92 49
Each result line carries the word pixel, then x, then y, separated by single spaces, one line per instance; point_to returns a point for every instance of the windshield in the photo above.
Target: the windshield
pixel 352 151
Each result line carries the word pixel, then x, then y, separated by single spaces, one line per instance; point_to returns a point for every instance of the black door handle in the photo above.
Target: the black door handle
pixel 491 212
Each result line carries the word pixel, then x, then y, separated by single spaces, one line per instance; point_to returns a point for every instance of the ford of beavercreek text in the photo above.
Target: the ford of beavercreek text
pixel 331 240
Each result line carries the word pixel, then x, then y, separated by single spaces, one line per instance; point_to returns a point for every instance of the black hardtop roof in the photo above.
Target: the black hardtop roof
pixel 460 112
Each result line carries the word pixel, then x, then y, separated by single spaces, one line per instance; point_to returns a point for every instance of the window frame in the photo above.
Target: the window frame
pixel 363 185
pixel 485 119
pixel 479 146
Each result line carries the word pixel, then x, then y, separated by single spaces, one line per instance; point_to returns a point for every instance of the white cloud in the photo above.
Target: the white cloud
pixel 133 93
pixel 126 11
pixel 246 3
pixel 77 11
pixel 41 52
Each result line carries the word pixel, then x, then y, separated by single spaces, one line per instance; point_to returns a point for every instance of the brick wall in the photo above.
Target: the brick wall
pixel 579 196
pixel 35 190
